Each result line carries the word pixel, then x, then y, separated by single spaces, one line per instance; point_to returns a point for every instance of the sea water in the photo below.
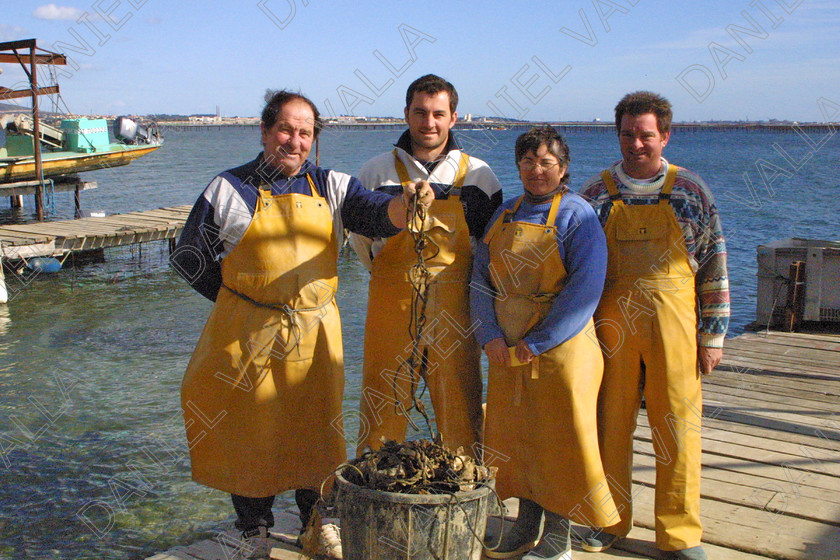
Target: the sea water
pixel 93 457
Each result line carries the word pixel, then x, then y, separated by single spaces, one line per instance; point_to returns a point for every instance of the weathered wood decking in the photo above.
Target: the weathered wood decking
pixel 771 459
pixel 60 237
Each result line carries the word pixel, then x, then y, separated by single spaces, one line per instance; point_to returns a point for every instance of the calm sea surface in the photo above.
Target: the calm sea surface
pixel 93 458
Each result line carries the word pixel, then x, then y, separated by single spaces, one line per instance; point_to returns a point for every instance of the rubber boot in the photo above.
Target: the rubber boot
pixel 556 541
pixel 522 535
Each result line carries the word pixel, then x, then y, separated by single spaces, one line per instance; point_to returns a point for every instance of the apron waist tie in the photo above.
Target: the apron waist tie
pixel 284 308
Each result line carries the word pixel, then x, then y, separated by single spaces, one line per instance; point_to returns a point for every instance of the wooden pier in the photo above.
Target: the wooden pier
pixel 56 239
pixel 20 242
pixel 771 460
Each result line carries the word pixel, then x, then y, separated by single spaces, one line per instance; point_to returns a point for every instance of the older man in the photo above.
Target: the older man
pixel 666 252
pixel 467 193
pixel 266 379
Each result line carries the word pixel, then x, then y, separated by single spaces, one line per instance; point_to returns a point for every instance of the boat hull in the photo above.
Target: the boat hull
pixel 65 163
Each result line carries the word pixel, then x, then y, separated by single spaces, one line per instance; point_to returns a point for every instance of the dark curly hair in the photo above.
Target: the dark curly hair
pixel 549 137
pixel 432 84
pixel 642 102
pixel 276 99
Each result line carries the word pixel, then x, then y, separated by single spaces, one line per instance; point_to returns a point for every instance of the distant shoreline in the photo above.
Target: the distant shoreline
pixel 781 126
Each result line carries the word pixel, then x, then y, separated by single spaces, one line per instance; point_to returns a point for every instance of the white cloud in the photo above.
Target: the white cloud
pixel 12 32
pixel 53 12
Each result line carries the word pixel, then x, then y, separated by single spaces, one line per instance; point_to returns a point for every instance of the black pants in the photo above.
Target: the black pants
pixel 252 513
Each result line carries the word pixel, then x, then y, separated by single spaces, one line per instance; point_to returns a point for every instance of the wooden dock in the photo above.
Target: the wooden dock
pixel 771 459
pixel 55 239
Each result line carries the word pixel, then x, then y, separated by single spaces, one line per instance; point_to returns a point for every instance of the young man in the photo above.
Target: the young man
pixel 467 193
pixel 666 252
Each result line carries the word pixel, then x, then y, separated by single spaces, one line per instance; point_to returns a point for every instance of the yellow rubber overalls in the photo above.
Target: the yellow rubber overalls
pixel 541 428
pixel 267 376
pixel 454 374
pixel 647 325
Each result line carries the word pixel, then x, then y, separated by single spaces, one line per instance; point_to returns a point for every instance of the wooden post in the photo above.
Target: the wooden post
pixel 4 292
pixel 39 170
pixel 795 304
pixel 77 199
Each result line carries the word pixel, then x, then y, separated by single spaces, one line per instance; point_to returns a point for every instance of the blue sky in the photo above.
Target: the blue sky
pixel 540 60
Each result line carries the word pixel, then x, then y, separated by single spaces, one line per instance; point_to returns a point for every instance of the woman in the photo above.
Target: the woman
pixel 537 279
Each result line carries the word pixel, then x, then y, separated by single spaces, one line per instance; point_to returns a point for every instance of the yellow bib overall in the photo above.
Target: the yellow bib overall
pixel 267 376
pixel 454 374
pixel 647 325
pixel 541 428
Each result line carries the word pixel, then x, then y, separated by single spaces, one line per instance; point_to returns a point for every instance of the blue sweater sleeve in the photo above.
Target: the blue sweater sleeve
pixel 195 257
pixel 583 248
pixel 366 212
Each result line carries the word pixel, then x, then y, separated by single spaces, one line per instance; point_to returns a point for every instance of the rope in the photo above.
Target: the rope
pixel 418 361
pixel 287 310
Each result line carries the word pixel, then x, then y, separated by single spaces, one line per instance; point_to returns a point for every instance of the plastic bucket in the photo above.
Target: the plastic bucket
pixel 377 525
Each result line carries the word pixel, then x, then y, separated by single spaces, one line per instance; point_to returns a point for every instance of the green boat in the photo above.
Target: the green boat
pixel 79 144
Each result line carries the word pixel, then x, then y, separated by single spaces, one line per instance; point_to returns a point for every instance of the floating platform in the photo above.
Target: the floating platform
pixel 20 242
pixel 52 239
pixel 771 460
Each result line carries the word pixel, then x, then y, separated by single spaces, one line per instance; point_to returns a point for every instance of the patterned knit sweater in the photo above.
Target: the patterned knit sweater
pixel 698 218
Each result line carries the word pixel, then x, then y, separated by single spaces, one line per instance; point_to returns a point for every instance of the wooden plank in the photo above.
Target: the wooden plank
pixel 151 216
pixel 806 350
pixel 639 544
pixel 142 221
pixel 114 227
pixel 746 489
pixel 717 401
pixel 764 358
pixel 757 450
pixel 9 237
pixel 781 343
pixel 764 361
pixel 31 250
pixel 791 337
pixel 759 431
pixel 167 214
pixel 747 529
pixel 20 229
pixel 825 392
pixel 123 238
pixel 736 410
pixel 66 229
pixel 134 222
pixel 824 342
pixel 768 360
pixel 754 366
pixel 771 422
pixel 759 394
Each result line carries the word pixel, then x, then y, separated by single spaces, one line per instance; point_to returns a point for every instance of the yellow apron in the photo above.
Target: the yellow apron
pixel 541 428
pixel 647 325
pixel 454 374
pixel 267 376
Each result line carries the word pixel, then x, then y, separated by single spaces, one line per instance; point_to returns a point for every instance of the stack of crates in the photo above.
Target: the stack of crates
pixel 822 283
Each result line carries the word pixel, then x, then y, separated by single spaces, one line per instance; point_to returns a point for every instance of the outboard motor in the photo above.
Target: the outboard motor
pixel 128 131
